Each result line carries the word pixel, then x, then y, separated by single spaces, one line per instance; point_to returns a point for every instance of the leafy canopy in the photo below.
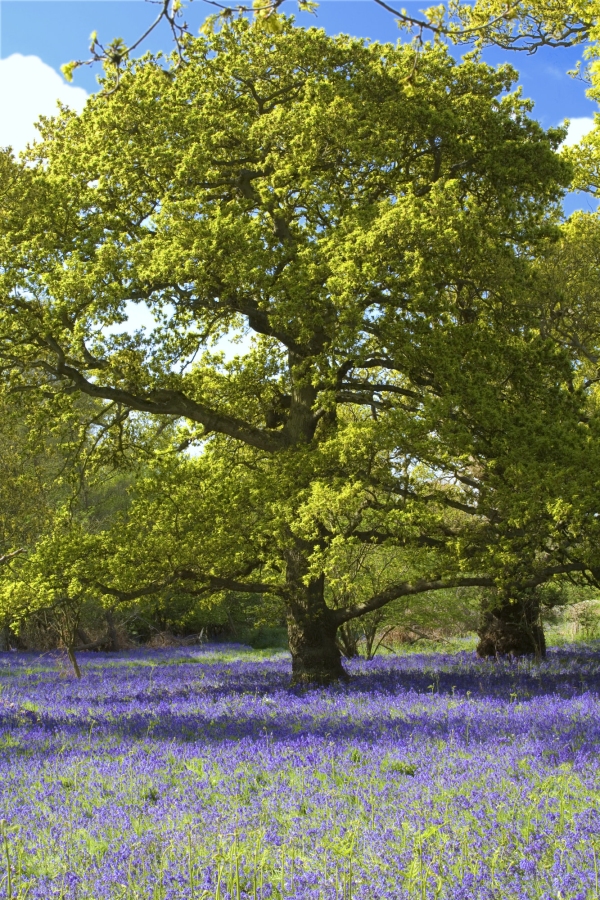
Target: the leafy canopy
pixel 367 217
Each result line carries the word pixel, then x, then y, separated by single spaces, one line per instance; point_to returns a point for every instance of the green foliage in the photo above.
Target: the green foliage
pixel 368 215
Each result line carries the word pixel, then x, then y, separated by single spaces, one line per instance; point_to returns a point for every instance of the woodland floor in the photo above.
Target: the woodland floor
pixel 197 773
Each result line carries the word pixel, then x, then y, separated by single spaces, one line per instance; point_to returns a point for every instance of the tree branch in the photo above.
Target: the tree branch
pixel 355 385
pixel 211 583
pixel 375 537
pixel 406 589
pixel 573 31
pixel 170 403
pixel 8 556
pixel 439 498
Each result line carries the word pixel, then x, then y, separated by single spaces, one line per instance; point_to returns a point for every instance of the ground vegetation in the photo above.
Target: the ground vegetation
pixel 199 773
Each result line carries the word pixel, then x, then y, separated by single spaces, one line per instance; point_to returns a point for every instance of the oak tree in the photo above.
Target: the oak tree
pixel 367 217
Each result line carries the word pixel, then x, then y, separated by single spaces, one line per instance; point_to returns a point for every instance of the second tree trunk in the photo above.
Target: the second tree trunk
pixel 512 626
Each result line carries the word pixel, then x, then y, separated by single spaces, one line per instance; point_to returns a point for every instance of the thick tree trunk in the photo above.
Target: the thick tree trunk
pixel 512 626
pixel 316 658
pixel 312 629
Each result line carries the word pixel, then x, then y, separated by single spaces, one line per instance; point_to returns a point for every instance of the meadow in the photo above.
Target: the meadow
pixel 198 774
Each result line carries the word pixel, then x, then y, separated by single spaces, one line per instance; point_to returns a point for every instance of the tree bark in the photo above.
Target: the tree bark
pixel 4 638
pixel 512 626
pixel 112 634
pixel 73 660
pixel 311 624
pixel 316 658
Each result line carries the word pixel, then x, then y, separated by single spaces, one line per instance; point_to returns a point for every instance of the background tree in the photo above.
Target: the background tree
pixel 46 491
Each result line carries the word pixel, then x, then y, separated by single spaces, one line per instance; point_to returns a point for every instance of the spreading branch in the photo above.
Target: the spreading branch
pixel 423 586
pixel 407 589
pixel 529 35
pixel 170 403
pixel 208 583
pixel 8 556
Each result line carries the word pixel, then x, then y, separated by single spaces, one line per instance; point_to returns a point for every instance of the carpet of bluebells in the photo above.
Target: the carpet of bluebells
pixel 198 773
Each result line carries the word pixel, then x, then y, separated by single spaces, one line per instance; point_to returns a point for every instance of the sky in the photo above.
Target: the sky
pixel 38 36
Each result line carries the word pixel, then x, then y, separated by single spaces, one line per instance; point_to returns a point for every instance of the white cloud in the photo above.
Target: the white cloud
pixel 578 128
pixel 29 89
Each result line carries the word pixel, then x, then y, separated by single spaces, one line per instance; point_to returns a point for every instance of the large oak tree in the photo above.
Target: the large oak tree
pixel 366 215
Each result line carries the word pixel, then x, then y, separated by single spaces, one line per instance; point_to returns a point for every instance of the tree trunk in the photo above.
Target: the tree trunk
pixel 112 634
pixel 312 630
pixel 83 637
pixel 316 658
pixel 512 626
pixel 73 660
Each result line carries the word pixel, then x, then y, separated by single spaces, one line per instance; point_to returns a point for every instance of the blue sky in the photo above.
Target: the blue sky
pixel 58 30
pixel 51 32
